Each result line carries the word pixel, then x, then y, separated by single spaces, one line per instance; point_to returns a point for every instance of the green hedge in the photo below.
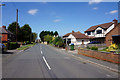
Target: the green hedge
pixel 13 45
pixel 92 48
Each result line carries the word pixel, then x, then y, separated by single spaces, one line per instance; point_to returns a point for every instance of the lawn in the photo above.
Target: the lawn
pixel 25 47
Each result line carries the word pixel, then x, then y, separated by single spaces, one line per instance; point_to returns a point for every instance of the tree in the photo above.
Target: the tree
pixel 26 33
pixel 34 36
pixel 56 33
pixel 12 28
pixel 48 38
pixel 44 33
pixel 41 35
pixel 58 41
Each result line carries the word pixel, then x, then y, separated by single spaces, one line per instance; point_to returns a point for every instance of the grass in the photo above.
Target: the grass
pixel 26 46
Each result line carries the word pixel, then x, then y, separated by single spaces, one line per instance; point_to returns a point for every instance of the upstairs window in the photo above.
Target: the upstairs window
pixel 88 33
pixel 99 31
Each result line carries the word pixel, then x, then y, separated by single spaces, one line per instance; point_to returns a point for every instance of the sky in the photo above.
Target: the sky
pixel 59 16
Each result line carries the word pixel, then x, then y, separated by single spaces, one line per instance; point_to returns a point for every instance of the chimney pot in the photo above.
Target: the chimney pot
pixel 72 31
pixel 115 22
pixel 4 27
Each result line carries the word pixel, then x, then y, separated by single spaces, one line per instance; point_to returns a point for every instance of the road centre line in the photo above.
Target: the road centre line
pixel 46 63
pixel 41 52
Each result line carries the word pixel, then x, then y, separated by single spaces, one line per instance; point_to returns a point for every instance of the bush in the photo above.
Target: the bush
pixel 13 45
pixel 27 42
pixel 94 48
pixel 60 43
pixel 88 47
pixel 113 47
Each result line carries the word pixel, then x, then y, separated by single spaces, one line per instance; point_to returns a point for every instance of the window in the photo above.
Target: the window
pixel 99 31
pixel 89 33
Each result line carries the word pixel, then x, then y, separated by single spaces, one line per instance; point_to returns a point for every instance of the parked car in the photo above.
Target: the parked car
pixel 94 42
pixel 2 46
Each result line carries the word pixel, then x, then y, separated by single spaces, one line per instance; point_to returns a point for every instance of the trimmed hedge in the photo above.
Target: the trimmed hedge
pixel 13 45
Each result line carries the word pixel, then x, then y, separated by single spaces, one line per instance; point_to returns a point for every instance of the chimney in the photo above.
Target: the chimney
pixel 115 22
pixel 72 31
pixel 4 27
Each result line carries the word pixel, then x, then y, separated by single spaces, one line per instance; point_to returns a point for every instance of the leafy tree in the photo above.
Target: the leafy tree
pixel 58 41
pixel 48 38
pixel 26 32
pixel 41 35
pixel 51 33
pixel 56 33
pixel 12 28
pixel 34 36
pixel 44 33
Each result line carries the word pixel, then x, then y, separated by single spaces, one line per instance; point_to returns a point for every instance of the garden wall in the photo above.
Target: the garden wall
pixel 106 56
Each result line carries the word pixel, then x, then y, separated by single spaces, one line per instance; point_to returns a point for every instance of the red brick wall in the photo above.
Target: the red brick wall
pixel 111 57
pixel 115 31
pixel 4 37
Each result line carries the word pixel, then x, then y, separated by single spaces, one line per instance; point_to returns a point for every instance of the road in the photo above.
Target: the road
pixel 42 61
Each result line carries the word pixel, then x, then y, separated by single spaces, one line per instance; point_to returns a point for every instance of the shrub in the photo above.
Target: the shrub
pixel 27 42
pixel 112 47
pixel 94 48
pixel 13 45
pixel 60 43
pixel 88 47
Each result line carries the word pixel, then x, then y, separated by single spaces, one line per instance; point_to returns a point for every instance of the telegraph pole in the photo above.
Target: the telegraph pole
pixel 16 24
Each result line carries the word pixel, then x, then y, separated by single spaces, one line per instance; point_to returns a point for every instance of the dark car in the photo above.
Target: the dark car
pixel 2 46
pixel 94 42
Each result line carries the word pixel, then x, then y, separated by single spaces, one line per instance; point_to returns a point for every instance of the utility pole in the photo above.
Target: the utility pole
pixel 16 24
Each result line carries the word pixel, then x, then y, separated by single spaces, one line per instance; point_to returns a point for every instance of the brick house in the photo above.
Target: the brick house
pixel 77 38
pixel 6 35
pixel 100 31
pixel 113 36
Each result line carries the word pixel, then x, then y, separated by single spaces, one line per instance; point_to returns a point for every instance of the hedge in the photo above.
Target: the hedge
pixel 13 45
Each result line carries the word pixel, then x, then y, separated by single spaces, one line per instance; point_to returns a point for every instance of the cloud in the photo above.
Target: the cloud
pixel 33 11
pixel 95 8
pixel 95 1
pixel 57 20
pixel 112 12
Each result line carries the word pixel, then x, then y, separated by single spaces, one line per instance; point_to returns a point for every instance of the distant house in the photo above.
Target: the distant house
pixel 77 38
pixel 7 36
pixel 99 31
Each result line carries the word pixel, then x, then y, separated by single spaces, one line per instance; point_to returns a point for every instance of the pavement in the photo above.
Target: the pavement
pixel 97 61
pixel 42 61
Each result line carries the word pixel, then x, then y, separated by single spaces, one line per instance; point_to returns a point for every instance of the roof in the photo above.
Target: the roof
pixel 2 30
pixel 5 31
pixel 105 26
pixel 114 28
pixel 77 35
pixel 66 35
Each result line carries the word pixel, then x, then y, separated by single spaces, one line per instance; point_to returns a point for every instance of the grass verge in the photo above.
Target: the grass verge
pixel 26 46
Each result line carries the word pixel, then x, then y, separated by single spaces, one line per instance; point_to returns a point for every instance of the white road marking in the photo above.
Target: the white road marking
pixel 41 52
pixel 46 63
pixel 108 75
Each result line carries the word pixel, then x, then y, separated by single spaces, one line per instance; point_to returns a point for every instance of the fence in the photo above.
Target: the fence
pixel 90 45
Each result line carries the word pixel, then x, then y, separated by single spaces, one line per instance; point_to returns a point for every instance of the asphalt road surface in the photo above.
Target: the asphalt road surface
pixel 42 61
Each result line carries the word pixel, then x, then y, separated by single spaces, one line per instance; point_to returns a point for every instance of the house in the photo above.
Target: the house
pixel 99 31
pixel 77 38
pixel 113 36
pixel 7 36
